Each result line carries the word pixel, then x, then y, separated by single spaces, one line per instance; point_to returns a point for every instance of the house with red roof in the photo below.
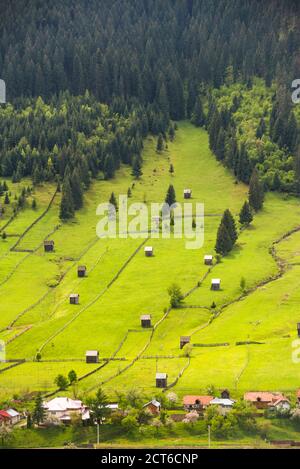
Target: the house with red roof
pixel 266 400
pixel 9 417
pixel 198 403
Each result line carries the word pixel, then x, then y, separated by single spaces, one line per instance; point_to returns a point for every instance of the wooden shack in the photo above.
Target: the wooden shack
pixel 161 380
pixel 49 245
pixel 184 340
pixel 81 271
pixel 148 251
pixel 92 356
pixel 74 299
pixel 146 320
pixel 298 329
pixel 215 284
pixel 208 259
pixel 187 193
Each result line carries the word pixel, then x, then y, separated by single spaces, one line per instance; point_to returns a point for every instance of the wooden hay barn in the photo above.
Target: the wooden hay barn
pixel 49 245
pixel 187 193
pixel 208 259
pixel 92 356
pixel 161 380
pixel 215 284
pixel 148 251
pixel 74 299
pixel 81 271
pixel 146 320
pixel 184 340
pixel 298 329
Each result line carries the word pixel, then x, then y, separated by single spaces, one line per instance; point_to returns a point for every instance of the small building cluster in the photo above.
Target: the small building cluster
pixel 200 403
pixel 267 400
pixel 64 409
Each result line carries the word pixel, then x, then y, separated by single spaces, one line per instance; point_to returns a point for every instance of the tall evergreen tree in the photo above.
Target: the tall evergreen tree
pixel 38 415
pixel 256 191
pixel 224 242
pixel 229 223
pixel 171 196
pixel 246 216
pixel 67 204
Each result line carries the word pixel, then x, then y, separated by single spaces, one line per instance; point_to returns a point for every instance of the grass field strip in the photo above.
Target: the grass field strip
pixel 97 297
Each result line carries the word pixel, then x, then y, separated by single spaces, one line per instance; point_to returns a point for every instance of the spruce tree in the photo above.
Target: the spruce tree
pixel 38 415
pixel 224 242
pixel 229 223
pixel 198 117
pixel 113 200
pixel 137 168
pixel 256 192
pixel 171 196
pixel 6 199
pixel 76 188
pixel 67 204
pixel 246 216
pixel 160 143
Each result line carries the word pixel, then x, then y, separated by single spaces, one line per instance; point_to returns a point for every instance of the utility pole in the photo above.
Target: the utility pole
pixel 208 436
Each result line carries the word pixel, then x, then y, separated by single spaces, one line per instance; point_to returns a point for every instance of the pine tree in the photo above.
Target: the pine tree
pixel 198 117
pixel 171 196
pixel 38 415
pixel 261 129
pixel 256 192
pixel 171 169
pixel 136 168
pixel 229 223
pixel 6 199
pixel 67 203
pixel 113 200
pixel 224 242
pixel 160 143
pixel 77 193
pixel 109 167
pixel 246 216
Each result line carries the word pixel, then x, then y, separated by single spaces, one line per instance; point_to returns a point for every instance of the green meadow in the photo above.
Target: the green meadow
pixel 121 284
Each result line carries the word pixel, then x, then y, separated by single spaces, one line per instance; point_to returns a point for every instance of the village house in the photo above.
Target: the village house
pixel 153 406
pixel 215 284
pixel 184 340
pixel 265 400
pixel 74 299
pixel 148 251
pixel 9 417
pixel 81 271
pixel 224 405
pixel 187 193
pixel 198 403
pixel 63 409
pixel 208 259
pixel 145 320
pixel 92 356
pixel 161 380
pixel 49 245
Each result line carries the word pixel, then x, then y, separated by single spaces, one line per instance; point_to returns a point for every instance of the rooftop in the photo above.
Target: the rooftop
pixel 191 400
pixel 161 375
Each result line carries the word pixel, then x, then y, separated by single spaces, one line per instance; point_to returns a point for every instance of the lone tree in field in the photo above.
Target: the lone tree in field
pixel 137 168
pixel 256 192
pixel 72 376
pixel 176 296
pixel 6 199
pixel 229 223
pixel 61 382
pixel 246 216
pixel 171 196
pixel 38 415
pixel 67 204
pixel 171 170
pixel 224 242
pixel 113 200
pixel 160 143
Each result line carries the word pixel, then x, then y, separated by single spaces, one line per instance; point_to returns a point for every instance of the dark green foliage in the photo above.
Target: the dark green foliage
pixel 256 192
pixel 176 296
pixel 229 223
pixel 224 242
pixel 38 415
pixel 171 196
pixel 246 216
pixel 72 376
pixel 67 203
pixel 137 168
pixel 261 129
pixel 76 188
pixel 198 117
pixel 113 200
pixel 160 143
pixel 61 382
pixel 98 407
pixel 33 205
pixel 171 169
pixel 6 199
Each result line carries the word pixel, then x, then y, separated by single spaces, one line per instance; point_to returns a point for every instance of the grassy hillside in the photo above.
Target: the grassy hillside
pixel 122 284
